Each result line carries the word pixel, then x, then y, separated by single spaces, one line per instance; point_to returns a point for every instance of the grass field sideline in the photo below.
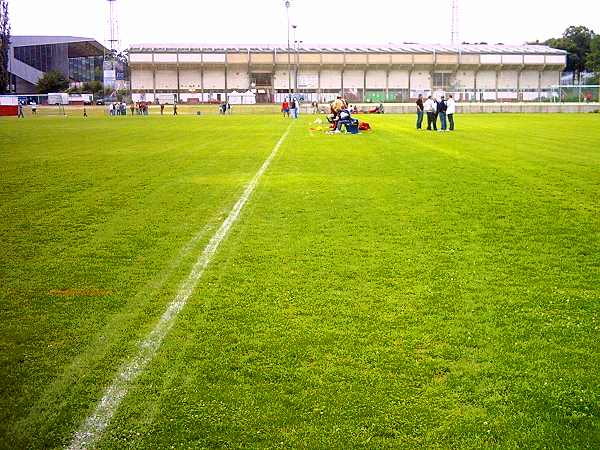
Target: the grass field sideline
pixel 392 289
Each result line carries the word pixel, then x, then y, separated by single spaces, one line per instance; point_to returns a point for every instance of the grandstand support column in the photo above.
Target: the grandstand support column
pixel 387 83
pixel 201 82
pixel 364 96
pixel 342 75
pixel 540 85
pixel 431 86
pixel 226 91
pixel 410 72
pixel 319 92
pixel 497 77
pixel 273 91
pixel 250 62
pixel 178 82
pixel 154 81
pixel 319 89
pixel 433 69
pixel 519 74
pixel 153 78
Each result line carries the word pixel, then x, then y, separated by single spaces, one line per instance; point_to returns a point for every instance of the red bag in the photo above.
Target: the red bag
pixel 364 126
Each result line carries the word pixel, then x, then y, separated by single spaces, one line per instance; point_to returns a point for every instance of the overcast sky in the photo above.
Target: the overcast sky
pixel 318 21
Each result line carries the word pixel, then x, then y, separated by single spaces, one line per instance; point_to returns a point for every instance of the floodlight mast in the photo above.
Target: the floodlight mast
pixel 287 8
pixel 112 25
pixel 454 33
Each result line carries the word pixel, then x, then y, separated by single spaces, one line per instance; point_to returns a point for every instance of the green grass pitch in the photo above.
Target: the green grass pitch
pixel 395 289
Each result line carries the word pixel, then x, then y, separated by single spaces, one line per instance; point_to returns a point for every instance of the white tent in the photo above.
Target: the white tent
pixel 242 98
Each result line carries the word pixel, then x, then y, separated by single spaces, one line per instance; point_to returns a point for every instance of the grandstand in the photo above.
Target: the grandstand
pixel 393 73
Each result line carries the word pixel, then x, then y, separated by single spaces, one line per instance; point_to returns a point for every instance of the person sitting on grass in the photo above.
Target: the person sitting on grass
pixel 336 108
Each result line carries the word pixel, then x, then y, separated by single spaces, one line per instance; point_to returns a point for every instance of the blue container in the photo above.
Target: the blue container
pixel 352 128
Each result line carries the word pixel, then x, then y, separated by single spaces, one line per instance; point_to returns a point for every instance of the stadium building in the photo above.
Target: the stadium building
pixel 79 59
pixel 263 73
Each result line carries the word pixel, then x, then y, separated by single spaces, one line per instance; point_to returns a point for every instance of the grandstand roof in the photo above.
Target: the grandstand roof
pixel 391 48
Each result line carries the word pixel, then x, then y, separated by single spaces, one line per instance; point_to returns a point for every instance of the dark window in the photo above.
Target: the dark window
pixel 261 79
pixel 38 56
pixel 84 69
pixel 441 80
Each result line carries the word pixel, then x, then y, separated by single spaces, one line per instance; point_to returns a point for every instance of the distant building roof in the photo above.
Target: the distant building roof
pixel 79 46
pixel 391 48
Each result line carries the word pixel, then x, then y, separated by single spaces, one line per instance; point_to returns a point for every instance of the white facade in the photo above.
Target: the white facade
pixel 376 79
pixel 398 74
pixel 214 79
pixel 398 79
pixel 142 80
pixel 465 79
pixel 166 79
pixel 190 79
pixel 331 79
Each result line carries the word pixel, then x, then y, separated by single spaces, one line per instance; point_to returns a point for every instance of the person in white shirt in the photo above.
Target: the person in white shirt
pixel 34 108
pixel 450 111
pixel 429 107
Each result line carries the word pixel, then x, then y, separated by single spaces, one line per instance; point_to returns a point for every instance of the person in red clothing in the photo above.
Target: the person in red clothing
pixel 285 108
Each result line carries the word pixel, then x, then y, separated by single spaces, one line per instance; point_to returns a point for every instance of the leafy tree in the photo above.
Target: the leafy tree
pixel 122 95
pixel 52 81
pixel 95 87
pixel 4 44
pixel 576 40
pixel 593 57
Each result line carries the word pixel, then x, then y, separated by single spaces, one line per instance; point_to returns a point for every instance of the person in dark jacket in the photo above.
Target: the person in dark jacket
pixel 420 112
pixel 442 107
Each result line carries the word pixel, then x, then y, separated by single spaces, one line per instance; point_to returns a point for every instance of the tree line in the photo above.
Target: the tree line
pixel 583 46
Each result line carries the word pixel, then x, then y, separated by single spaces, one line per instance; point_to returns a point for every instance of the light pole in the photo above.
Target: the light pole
pixel 295 57
pixel 287 8
pixel 297 45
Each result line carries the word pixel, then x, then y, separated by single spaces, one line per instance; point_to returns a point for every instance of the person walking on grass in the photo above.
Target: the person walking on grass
pixel 429 108
pixel 175 108
pixel 441 109
pixel 20 114
pixel 34 108
pixel 420 112
pixel 162 109
pixel 451 104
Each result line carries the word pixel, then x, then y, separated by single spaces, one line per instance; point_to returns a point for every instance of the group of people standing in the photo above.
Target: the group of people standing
pixel 434 109
pixel 225 108
pixel 292 107
pixel 117 109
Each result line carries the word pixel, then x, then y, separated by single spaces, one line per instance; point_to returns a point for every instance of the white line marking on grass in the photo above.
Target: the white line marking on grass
pixel 93 427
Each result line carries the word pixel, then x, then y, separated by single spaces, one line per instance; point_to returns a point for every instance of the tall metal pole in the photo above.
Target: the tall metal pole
pixel 295 57
pixel 287 8
pixel 113 38
pixel 454 33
